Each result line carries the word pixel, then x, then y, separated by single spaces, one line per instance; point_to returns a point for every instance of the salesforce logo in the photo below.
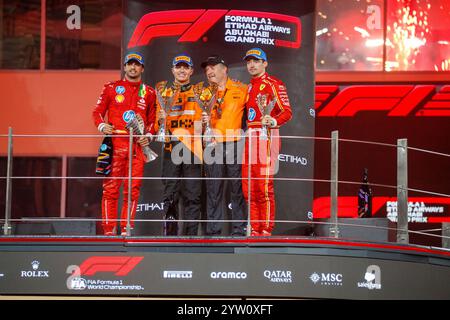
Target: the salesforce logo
pixel 229 275
pixel 251 114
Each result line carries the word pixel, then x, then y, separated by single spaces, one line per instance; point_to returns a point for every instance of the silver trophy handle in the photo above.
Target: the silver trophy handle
pixel 150 155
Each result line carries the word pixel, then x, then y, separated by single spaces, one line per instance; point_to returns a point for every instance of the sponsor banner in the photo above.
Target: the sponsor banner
pixel 221 274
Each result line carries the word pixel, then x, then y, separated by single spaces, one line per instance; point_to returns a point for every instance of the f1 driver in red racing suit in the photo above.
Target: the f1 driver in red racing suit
pixel 264 152
pixel 121 101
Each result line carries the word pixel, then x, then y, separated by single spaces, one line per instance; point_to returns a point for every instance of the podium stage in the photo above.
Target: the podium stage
pixel 273 267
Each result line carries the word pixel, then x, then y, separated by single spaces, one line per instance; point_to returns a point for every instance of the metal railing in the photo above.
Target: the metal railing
pixel 402 230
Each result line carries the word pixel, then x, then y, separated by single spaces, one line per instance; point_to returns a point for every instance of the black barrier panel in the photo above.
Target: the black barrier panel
pixel 284 30
pixel 250 273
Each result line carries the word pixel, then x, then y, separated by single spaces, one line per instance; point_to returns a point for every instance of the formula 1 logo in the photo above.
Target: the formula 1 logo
pixel 243 26
pixel 395 100
pixel 119 265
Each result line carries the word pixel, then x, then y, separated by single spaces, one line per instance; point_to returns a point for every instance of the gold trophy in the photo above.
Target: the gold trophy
pixel 266 108
pixel 165 96
pixel 206 98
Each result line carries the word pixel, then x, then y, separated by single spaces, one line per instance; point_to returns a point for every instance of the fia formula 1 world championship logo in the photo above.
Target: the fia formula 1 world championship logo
pixel 120 266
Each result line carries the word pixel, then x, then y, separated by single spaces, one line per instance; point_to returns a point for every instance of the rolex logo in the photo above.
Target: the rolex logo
pixel 35 273
pixel 35 265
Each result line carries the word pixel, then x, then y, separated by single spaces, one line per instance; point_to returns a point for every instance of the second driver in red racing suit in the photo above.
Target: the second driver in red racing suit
pixel 264 152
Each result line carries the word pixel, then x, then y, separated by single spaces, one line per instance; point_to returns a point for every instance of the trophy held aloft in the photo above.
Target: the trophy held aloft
pixel 265 107
pixel 165 96
pixel 206 98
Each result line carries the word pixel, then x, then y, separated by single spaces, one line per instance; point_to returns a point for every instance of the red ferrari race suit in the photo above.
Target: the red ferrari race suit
pixel 264 153
pixel 121 100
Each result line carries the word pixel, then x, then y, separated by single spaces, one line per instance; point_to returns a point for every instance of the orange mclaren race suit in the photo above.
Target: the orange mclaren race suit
pixel 120 101
pixel 224 159
pixel 264 153
pixel 182 157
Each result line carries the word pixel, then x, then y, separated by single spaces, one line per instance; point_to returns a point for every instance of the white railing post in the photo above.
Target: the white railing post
pixel 402 191
pixel 334 229
pixel 6 225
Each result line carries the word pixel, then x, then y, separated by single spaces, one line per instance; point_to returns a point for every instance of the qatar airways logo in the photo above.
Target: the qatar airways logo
pixel 394 100
pixel 240 26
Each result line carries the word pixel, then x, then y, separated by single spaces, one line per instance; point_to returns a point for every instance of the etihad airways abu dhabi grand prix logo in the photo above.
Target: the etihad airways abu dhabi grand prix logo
pixel 240 26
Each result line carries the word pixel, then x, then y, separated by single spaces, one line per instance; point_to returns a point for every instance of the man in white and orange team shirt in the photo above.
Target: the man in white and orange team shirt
pixel 121 101
pixel 264 153
pixel 226 121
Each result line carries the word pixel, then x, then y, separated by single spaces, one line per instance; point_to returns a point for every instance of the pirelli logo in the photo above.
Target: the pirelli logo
pixel 177 274
pixel 134 56
pixel 257 52
pixel 183 58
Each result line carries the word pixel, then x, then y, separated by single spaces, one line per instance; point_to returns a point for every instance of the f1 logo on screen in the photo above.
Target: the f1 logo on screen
pixel 396 100
pixel 264 27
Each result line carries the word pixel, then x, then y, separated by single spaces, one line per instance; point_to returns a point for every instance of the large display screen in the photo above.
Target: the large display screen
pixel 370 118
pixel 284 30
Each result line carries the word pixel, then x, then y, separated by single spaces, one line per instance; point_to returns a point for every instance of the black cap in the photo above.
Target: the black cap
pixel 212 61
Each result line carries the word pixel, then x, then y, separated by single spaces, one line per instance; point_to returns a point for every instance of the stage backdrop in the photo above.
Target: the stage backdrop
pixel 284 29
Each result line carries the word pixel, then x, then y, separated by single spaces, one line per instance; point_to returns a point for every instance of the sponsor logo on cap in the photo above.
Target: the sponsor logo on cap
pixel 255 52
pixel 183 58
pixel 136 56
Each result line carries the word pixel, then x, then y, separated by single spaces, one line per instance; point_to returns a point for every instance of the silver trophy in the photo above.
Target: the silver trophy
pixel 266 108
pixel 165 98
pixel 137 124
pixel 206 98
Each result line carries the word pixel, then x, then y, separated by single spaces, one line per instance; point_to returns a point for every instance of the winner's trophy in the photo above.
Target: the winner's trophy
pixel 137 124
pixel 206 98
pixel 266 108
pixel 165 98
